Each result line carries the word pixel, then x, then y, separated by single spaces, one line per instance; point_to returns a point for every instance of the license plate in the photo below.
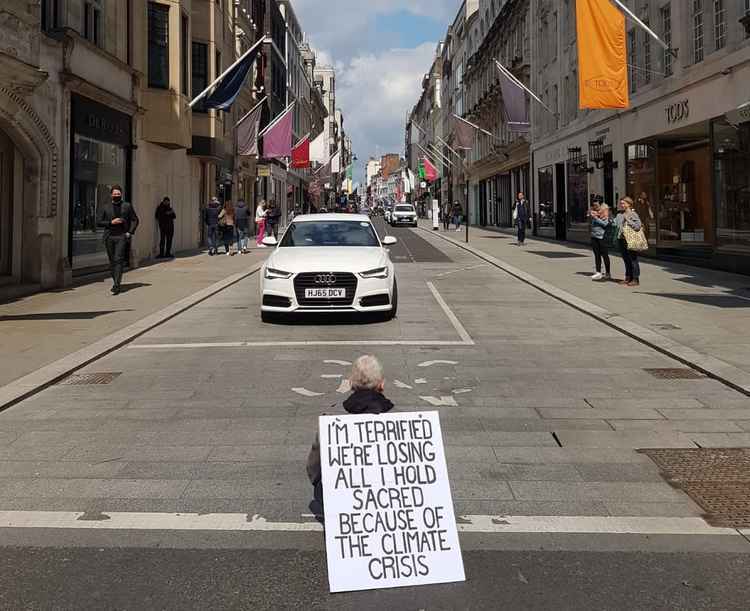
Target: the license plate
pixel 325 293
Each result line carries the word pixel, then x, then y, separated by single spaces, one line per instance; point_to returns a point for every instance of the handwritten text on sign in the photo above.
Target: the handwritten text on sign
pixel 388 510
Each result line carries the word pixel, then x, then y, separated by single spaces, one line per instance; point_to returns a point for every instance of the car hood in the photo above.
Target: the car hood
pixel 327 259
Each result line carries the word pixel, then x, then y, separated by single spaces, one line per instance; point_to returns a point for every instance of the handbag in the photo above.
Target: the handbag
pixel 223 219
pixel 515 214
pixel 635 240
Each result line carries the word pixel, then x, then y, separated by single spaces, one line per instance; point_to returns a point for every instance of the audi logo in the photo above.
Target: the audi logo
pixel 326 279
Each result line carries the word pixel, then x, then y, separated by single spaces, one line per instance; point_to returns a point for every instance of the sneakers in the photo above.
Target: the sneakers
pixel 597 276
pixel 607 277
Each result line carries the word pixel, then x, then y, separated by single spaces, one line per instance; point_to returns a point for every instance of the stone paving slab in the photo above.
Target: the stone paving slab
pixel 624 439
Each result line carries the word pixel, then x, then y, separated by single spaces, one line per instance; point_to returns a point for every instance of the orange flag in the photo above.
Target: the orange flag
pixel 602 55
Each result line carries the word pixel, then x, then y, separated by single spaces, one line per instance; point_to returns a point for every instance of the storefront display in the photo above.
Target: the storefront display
pixel 578 193
pixel 100 140
pixel 731 146
pixel 546 197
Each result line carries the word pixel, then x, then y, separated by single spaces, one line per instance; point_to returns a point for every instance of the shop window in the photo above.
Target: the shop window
pixel 158 45
pixel 732 184
pixel 546 197
pixel 578 192
pixel 641 178
pixel 199 72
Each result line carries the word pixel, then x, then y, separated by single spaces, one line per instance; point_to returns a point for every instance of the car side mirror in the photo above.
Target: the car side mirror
pixel 269 241
pixel 389 240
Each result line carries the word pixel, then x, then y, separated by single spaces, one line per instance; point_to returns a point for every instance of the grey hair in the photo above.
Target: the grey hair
pixel 367 373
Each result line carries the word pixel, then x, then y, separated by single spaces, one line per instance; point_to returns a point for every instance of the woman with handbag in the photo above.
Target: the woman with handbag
pixel 226 225
pixel 632 240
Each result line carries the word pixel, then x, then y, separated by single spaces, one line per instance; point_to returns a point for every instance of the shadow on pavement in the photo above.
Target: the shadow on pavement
pixel 326 320
pixel 716 301
pixel 60 315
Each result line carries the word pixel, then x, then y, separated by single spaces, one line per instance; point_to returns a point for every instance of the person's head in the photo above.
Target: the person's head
pixel 116 193
pixel 626 204
pixel 166 201
pixel 367 374
pixel 521 195
pixel 604 210
pixel 215 201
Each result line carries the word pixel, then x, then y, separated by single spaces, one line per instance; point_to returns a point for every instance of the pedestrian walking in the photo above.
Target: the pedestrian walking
pixel 242 225
pixel 631 239
pixel 457 213
pixel 211 220
pixel 447 216
pixel 260 223
pixel 120 222
pixel 226 225
pixel 273 219
pixel 600 226
pixel 368 386
pixel 165 216
pixel 521 217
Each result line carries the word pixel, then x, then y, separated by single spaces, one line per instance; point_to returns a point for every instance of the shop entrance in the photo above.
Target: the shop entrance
pixel 561 214
pixel 6 206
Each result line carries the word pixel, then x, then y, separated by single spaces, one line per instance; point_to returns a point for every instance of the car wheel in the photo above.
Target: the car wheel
pixel 394 307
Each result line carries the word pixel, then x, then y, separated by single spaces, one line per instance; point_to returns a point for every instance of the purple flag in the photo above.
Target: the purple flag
pixel 247 133
pixel 514 104
pixel 277 141
pixel 463 133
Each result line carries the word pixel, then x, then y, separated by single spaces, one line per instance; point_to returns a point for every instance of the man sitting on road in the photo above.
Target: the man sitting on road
pixel 368 383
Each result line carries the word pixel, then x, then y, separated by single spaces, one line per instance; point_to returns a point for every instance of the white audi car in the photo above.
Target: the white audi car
pixel 329 263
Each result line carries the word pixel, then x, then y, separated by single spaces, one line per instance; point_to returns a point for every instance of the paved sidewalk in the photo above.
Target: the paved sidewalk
pixel 706 310
pixel 39 329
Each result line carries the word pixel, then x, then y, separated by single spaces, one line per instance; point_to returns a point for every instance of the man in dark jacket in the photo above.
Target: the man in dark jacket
pixel 273 218
pixel 242 225
pixel 211 220
pixel 119 221
pixel 165 216
pixel 521 214
pixel 368 384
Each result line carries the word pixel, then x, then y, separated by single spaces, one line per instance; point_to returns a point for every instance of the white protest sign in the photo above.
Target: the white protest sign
pixel 435 215
pixel 389 518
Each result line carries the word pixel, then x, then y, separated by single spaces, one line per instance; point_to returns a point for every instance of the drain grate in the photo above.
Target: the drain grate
pixel 718 479
pixel 88 379
pixel 675 373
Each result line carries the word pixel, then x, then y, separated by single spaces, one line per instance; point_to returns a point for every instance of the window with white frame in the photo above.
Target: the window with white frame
pixel 720 24
pixel 666 29
pixel 698 31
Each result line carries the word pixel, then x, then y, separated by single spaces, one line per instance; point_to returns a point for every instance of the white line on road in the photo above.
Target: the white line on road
pixel 467 524
pixel 431 363
pixel 307 393
pixel 462 333
pixel 440 401
pixel 335 362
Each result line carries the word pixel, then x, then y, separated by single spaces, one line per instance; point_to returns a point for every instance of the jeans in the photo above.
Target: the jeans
pixel 272 228
pixel 630 258
pixel 213 239
pixel 599 246
pixel 227 236
pixel 242 238
pixel 446 221
pixel 521 232
pixel 165 243
pixel 457 221
pixel 117 247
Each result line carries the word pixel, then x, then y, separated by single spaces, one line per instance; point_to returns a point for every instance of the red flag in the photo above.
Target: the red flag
pixel 430 171
pixel 301 154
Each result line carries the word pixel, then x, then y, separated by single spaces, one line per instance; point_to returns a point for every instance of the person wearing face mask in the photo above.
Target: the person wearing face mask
pixel 119 221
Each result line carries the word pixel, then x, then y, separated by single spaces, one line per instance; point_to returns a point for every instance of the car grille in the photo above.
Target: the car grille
pixel 275 301
pixel 307 281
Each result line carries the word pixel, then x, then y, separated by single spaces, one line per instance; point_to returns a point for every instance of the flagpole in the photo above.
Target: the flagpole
pixel 436 151
pixel 251 112
pixel 427 154
pixel 301 139
pixel 277 119
pixel 647 29
pixel 508 74
pixel 484 131
pixel 443 142
pixel 203 93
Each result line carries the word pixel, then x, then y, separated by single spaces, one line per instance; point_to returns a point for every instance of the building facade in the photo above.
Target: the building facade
pixel 682 148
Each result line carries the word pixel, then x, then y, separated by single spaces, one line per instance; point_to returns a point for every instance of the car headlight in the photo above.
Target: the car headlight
pixel 277 274
pixel 380 272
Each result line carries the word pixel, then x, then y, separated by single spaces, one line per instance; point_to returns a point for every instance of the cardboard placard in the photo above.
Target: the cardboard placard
pixel 389 518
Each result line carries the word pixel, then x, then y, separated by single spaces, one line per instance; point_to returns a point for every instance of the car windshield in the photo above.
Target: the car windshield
pixel 404 209
pixel 330 233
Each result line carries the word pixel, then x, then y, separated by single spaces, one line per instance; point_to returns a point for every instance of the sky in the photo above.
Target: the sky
pixel 381 49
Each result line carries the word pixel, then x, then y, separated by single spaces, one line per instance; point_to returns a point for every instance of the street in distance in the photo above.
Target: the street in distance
pixel 329 263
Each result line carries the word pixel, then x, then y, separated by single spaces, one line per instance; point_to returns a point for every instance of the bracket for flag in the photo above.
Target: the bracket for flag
pixel 254 108
pixel 509 75
pixel 476 127
pixel 648 30
pixel 428 155
pixel 436 151
pixel 443 142
pixel 205 92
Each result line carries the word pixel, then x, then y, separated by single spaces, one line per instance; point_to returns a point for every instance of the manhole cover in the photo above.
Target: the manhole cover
pixel 85 379
pixel 676 373
pixel 718 479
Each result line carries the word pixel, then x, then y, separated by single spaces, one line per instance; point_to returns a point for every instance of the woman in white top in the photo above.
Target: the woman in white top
pixel 260 223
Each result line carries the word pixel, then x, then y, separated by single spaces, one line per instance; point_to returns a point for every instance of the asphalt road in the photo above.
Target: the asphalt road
pixel 213 412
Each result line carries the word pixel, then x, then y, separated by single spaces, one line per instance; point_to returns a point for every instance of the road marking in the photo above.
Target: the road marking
pixel 463 269
pixel 400 384
pixel 440 401
pixel 462 391
pixel 420 381
pixel 307 393
pixel 345 387
pixel 465 340
pixel 431 363
pixel 334 362
pixel 467 524
pixel 332 376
